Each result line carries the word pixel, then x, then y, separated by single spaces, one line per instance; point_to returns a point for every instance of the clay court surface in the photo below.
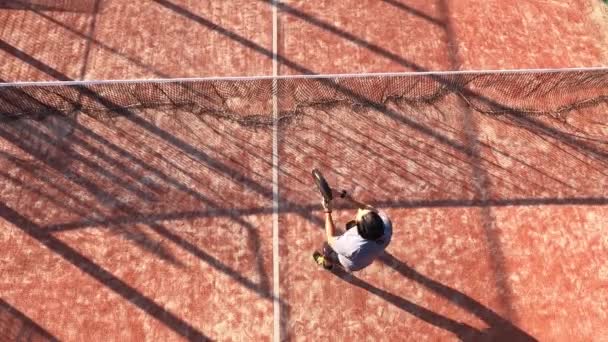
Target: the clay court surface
pixel 160 224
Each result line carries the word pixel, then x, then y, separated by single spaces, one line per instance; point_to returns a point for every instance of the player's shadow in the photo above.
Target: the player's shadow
pixel 499 329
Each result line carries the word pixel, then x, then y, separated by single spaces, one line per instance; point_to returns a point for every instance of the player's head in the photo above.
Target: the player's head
pixel 369 224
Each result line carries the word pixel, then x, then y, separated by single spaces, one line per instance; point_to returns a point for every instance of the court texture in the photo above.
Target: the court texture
pixel 155 161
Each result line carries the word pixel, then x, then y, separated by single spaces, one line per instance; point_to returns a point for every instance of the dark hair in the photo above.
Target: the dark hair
pixel 371 226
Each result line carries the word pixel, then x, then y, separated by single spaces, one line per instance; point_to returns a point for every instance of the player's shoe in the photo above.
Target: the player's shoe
pixel 320 260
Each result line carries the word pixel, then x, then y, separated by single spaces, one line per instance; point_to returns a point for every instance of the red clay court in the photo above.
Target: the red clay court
pixel 155 163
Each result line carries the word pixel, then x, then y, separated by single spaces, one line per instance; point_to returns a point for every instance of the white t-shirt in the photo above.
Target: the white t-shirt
pixel 355 252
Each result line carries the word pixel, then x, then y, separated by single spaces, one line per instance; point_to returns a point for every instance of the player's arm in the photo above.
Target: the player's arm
pixel 360 205
pixel 330 228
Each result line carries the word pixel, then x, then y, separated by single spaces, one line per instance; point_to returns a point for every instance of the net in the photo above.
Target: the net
pixel 404 140
pixel 249 101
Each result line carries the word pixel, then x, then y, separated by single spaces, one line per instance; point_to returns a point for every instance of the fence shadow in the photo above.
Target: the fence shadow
pixel 138 188
pixel 87 266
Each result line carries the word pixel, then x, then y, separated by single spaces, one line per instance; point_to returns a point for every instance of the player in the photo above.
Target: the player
pixel 364 240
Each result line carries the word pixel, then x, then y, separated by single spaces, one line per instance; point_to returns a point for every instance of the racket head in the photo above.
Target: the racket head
pixel 322 184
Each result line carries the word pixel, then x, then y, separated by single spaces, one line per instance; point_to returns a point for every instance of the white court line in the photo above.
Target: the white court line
pixel 311 76
pixel 275 180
